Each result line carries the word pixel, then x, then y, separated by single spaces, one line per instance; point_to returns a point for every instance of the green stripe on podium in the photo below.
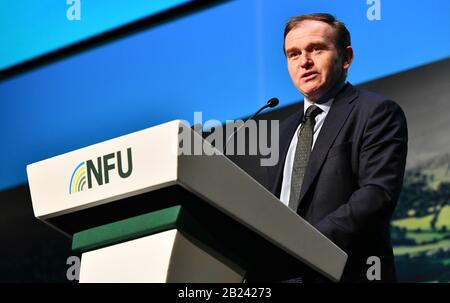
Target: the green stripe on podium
pixel 132 228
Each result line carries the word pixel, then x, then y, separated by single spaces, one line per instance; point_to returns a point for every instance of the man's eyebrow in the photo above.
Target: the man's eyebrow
pixel 292 49
pixel 309 45
pixel 317 43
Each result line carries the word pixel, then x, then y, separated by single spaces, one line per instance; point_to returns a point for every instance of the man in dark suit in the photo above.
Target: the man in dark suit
pixel 343 154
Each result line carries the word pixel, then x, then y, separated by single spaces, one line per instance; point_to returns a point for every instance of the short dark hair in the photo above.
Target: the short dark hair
pixel 342 35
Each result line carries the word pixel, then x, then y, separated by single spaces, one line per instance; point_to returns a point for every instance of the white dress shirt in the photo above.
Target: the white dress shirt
pixel 289 163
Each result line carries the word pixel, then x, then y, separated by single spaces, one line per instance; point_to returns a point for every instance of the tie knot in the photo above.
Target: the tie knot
pixel 312 112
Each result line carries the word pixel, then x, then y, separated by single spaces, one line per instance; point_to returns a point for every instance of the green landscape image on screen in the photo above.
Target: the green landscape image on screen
pixel 420 228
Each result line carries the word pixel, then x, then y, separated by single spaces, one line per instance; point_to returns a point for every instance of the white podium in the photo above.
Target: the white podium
pixel 141 211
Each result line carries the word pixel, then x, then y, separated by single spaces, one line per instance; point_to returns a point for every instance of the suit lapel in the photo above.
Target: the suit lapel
pixel 333 123
pixel 287 131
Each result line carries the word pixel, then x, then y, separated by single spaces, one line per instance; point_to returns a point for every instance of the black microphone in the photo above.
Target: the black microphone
pixel 270 104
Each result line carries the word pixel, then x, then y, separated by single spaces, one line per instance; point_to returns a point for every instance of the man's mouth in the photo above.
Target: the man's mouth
pixel 309 76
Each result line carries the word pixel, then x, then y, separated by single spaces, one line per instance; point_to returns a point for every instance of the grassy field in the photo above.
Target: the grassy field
pixel 419 261
pixel 413 223
pixel 426 236
pixel 444 218
pixel 401 250
pixel 423 223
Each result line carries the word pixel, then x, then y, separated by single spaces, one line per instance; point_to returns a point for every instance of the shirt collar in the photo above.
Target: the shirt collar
pixel 325 107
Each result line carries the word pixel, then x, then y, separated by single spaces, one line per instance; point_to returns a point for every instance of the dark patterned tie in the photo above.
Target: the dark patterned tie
pixel 302 153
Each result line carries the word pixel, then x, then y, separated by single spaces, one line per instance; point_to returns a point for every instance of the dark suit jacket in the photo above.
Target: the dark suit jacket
pixel 354 176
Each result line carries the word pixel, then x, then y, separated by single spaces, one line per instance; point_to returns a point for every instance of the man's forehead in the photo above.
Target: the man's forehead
pixel 310 29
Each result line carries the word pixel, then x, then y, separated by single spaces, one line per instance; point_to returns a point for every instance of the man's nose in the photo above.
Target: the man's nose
pixel 305 61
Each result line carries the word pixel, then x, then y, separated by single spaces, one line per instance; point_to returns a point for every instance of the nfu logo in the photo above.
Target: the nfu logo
pixel 87 171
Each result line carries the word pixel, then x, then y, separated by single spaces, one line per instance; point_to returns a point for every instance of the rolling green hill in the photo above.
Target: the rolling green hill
pixel 421 223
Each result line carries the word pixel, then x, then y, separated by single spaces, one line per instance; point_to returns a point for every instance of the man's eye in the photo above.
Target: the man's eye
pixel 316 49
pixel 293 55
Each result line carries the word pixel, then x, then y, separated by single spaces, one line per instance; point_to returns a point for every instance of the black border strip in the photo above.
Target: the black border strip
pixel 98 40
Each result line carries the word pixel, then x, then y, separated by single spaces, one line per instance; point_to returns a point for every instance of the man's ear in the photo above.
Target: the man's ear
pixel 348 57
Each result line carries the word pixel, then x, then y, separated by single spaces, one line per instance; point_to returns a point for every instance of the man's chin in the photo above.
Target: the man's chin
pixel 311 95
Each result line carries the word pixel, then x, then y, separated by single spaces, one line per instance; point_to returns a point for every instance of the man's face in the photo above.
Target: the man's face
pixel 314 62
